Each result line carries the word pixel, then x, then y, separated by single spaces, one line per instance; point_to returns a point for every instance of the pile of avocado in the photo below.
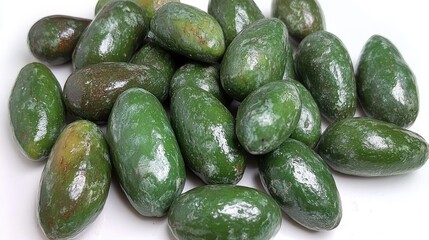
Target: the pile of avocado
pixel 177 87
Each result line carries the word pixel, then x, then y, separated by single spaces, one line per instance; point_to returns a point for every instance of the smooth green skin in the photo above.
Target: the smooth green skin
pixel 145 153
pixel 224 212
pixel 309 127
pixel 199 75
pixel 204 128
pixel 113 36
pixel 267 117
pixel 386 85
pixel 234 15
pixel 326 70
pixel 149 7
pixel 289 72
pixel 189 31
pixel 255 57
pixel 153 55
pixel 368 147
pixel 52 39
pixel 36 110
pixel 302 184
pixel 75 181
pixel 90 92
pixel 302 17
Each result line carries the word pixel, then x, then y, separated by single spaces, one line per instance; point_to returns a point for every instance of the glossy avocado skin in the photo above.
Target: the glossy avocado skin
pixel 90 92
pixel 262 46
pixel 36 110
pixel 189 31
pixel 368 147
pixel 302 184
pixel 326 70
pixel 224 212
pixel 268 116
pixel 234 15
pixel 75 181
pixel 204 76
pixel 204 128
pixel 385 83
pixel 150 54
pixel 52 39
pixel 302 17
pixel 309 127
pixel 113 36
pixel 145 154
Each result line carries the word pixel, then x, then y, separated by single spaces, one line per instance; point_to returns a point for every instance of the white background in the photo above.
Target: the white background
pixel 373 208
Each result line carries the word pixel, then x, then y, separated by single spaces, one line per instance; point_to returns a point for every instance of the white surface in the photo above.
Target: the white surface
pixel 373 208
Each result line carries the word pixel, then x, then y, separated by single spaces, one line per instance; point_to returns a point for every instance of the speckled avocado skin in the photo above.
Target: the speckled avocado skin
pixel 90 92
pixel 36 110
pixel 204 128
pixel 189 31
pixel 255 57
pixel 145 154
pixel 309 127
pixel 386 85
pixel 369 147
pixel 204 76
pixel 302 184
pixel 302 17
pixel 224 212
pixel 326 70
pixel 75 181
pixel 234 15
pixel 113 36
pixel 52 39
pixel 268 116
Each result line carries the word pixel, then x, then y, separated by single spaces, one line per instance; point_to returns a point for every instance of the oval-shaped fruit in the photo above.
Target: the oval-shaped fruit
pixel 255 57
pixel 224 212
pixel 153 55
pixel 53 39
pixel 385 83
pixel 267 117
pixel 113 35
pixel 309 127
pixel 204 128
pixel 199 75
pixel 145 153
pixel 302 17
pixel 302 184
pixel 36 110
pixel 326 70
pixel 189 31
pixel 91 91
pixel 75 182
pixel 234 15
pixel 369 147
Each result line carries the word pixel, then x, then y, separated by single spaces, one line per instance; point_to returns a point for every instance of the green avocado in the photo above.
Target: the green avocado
pixel 53 39
pixel 386 85
pixel 267 117
pixel 234 15
pixel 302 184
pixel 255 57
pixel 90 92
pixel 189 31
pixel 204 128
pixel 302 17
pixel 326 70
pixel 224 212
pixel 36 110
pixel 75 181
pixel 113 36
pixel 368 147
pixel 145 154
